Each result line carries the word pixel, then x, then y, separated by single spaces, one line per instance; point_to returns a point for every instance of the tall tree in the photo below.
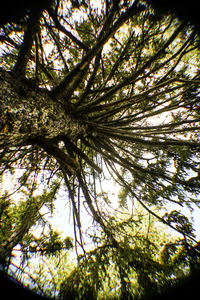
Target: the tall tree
pixel 90 91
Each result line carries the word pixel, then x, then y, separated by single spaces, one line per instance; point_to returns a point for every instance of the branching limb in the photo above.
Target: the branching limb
pixel 69 83
pixel 65 31
pixel 88 199
pixel 25 49
pixel 80 153
pixel 62 157
pixel 131 78
pixel 71 195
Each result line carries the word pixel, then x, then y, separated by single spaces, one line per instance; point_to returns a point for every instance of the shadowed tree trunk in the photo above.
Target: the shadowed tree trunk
pixel 31 114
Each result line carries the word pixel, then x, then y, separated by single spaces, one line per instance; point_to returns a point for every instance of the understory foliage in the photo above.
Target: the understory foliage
pixel 129 77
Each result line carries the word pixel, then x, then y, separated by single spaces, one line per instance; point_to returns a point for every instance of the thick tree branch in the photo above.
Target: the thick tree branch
pixel 19 69
pixel 76 74
pixel 69 163
pixel 81 154
pixel 65 31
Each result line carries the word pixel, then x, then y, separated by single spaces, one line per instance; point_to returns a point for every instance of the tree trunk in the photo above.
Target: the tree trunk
pixel 28 113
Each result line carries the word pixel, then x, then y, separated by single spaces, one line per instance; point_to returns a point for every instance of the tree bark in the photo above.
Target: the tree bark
pixel 28 113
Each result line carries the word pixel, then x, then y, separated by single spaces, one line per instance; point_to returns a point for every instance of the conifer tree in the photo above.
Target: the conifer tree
pixel 89 92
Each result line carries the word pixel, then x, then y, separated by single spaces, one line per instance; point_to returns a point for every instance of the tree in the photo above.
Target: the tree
pixel 86 92
pixel 146 261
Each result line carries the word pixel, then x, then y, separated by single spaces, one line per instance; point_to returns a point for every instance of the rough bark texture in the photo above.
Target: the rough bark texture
pixel 27 113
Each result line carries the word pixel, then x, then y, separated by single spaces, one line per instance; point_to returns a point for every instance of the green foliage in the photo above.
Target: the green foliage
pixel 140 265
pixel 122 196
pixel 7 217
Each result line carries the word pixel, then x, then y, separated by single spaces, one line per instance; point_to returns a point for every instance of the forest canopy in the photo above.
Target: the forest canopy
pixel 99 108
